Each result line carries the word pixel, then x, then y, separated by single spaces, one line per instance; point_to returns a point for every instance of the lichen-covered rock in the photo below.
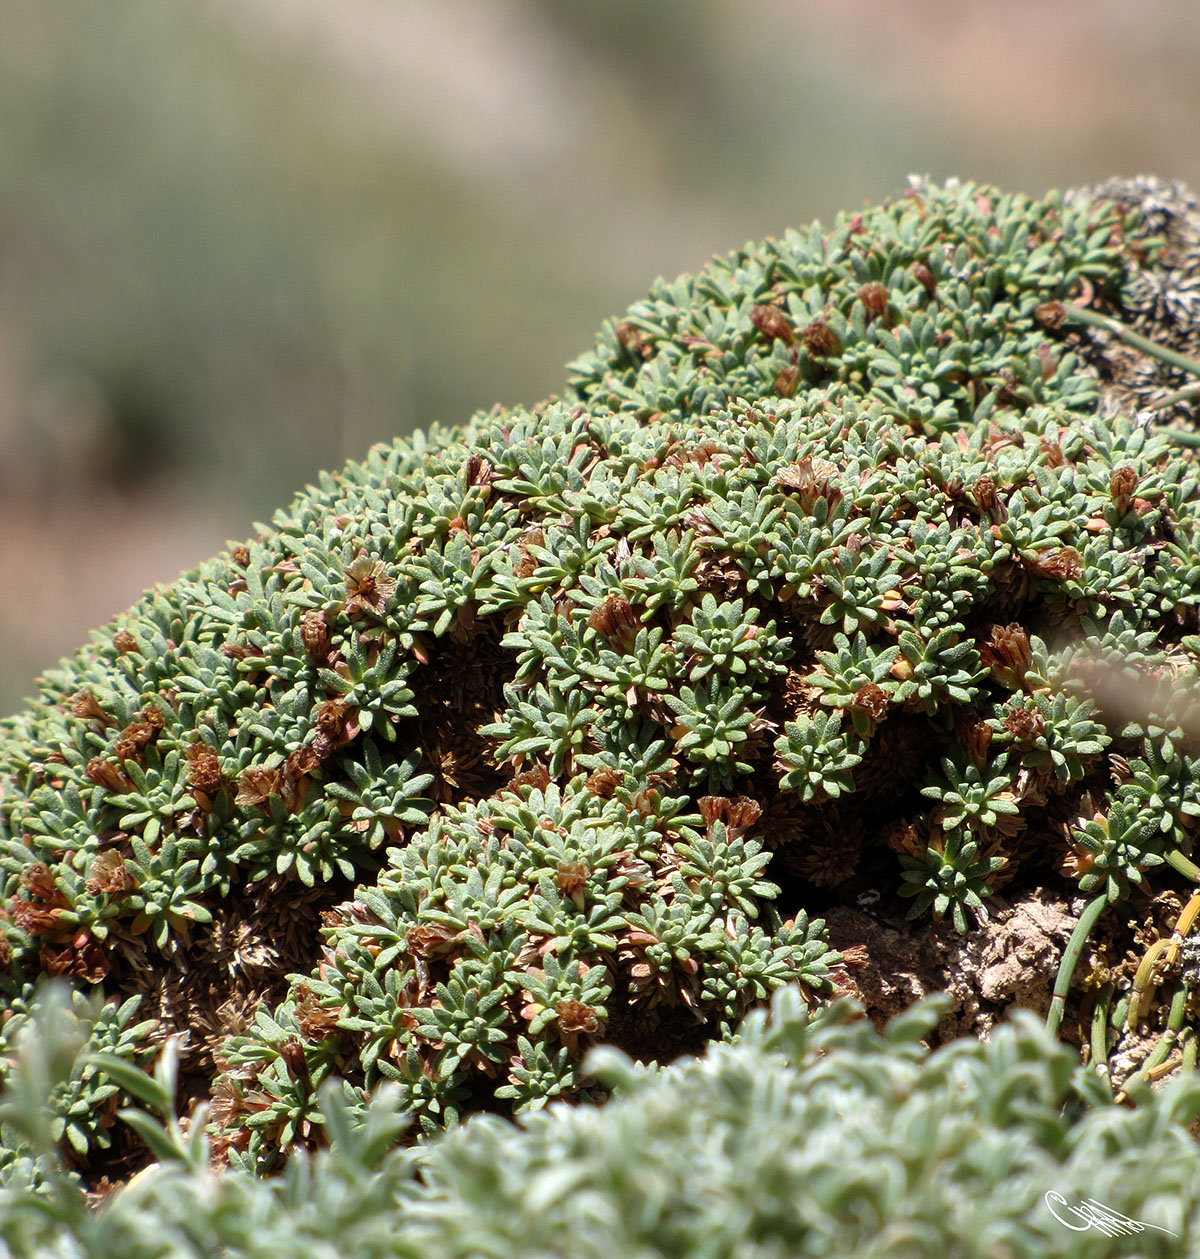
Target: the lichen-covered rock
pixel 863 565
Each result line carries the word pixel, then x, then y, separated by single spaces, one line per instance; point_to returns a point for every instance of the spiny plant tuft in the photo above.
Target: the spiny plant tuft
pixel 864 563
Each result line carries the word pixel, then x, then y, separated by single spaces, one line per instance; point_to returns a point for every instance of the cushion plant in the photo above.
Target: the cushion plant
pixel 843 609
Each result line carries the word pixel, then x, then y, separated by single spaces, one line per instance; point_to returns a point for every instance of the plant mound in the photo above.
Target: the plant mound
pixel 808 1136
pixel 852 573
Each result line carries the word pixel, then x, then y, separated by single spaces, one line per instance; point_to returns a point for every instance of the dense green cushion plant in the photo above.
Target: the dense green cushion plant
pixel 807 1137
pixel 832 571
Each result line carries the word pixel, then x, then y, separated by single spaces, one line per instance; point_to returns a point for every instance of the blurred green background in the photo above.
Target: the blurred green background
pixel 241 240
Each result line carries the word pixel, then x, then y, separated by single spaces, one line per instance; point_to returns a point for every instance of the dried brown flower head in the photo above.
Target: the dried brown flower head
pixel 292 1053
pixel 204 768
pixel 1007 654
pixel 810 479
pixel 604 781
pixel 314 634
pixel 84 704
pixel 615 618
pixel 35 918
pixel 83 958
pixel 41 913
pixel 871 700
pixel 974 737
pixel 773 324
pixel 430 939
pixel 681 455
pixel 303 760
pixel 479 475
pixel 124 642
pixel 575 1016
pixel 787 381
pixel 330 720
pixel 104 773
pixel 901 837
pixel 1060 563
pixel 820 340
pixel 738 813
pixel 634 341
pixel 1051 315
pixel 988 500
pixel 874 297
pixel 369 586
pixel 925 278
pixel 570 876
pixel 1122 482
pixel 1024 725
pixel 136 738
pixel 315 1021
pixel 526 565
pixel 110 876
pixel 257 785
pixel 1052 452
pixel 537 776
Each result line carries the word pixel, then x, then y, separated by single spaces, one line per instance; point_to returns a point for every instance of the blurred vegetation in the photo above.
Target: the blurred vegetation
pixel 241 241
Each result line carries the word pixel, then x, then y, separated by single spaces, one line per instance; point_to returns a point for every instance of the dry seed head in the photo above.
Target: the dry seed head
pixel 925 277
pixel 820 340
pixel 536 776
pixel 1060 563
pixel 369 586
pixel 104 773
pixel 1122 482
pixel 604 781
pixel 1051 315
pixel 974 737
pixel 738 813
pixel 787 381
pixel 634 341
pixel 773 324
pixel 314 634
pixel 1024 725
pixel 575 1016
pixel 135 738
pixel 84 704
pixel 110 876
pixel 872 700
pixel 615 618
pixel 1007 652
pixel 810 479
pixel 570 876
pixel 874 297
pixel 257 785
